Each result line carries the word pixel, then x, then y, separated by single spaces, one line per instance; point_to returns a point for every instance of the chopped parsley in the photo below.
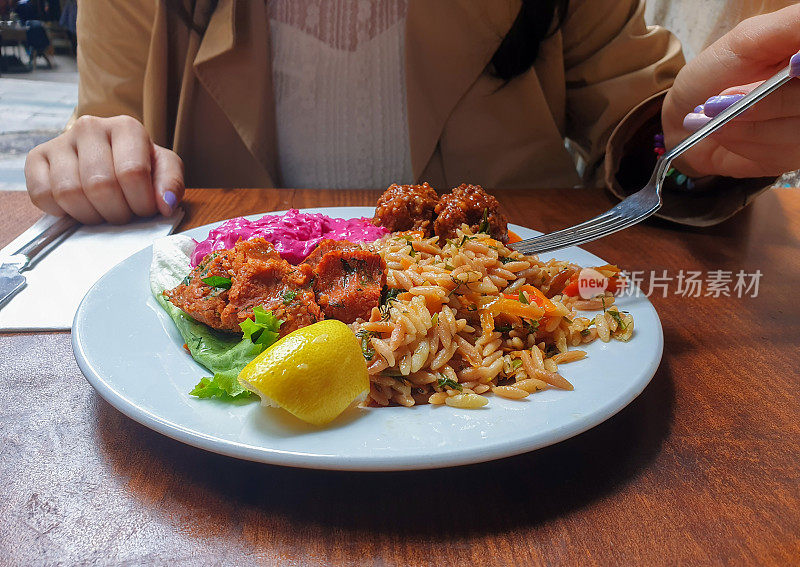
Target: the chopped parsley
pixel 388 295
pixel 205 265
pixel 506 259
pixel 618 318
pixel 366 347
pixel 288 296
pixel 207 260
pixel 516 363
pixel 465 238
pixel 531 326
pixel 217 281
pixel 484 226
pixel 435 320
pixel 503 328
pixel 585 332
pixel 459 281
pixel 449 384
pixel 522 298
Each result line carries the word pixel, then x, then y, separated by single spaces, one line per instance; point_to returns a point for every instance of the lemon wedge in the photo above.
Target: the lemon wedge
pixel 315 372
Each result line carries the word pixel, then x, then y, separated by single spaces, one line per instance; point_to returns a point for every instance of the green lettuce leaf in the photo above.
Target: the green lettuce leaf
pixel 264 330
pixel 223 354
pixel 224 385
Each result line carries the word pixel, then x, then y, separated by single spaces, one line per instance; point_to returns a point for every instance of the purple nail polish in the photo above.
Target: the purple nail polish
pixel 716 104
pixel 698 109
pixel 170 199
pixel 694 122
pixel 794 65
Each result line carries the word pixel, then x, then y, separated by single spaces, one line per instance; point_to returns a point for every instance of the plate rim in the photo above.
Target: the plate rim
pixel 301 459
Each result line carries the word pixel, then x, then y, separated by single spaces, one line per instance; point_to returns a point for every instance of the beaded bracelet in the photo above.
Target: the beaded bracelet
pixel 677 177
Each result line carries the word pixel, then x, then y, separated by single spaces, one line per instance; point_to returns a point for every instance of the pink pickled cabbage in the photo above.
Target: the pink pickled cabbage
pixel 293 234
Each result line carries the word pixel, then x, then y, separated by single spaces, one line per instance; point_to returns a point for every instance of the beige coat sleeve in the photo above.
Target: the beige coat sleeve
pixel 113 44
pixel 613 62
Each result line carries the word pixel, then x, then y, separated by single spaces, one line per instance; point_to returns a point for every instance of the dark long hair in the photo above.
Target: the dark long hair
pixel 536 21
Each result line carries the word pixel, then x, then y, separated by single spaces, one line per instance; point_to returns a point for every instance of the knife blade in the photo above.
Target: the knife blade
pixel 11 279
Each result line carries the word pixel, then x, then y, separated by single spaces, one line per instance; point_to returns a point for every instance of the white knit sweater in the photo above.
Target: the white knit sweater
pixel 339 81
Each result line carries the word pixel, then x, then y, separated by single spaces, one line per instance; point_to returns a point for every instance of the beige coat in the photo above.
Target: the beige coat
pixel 209 96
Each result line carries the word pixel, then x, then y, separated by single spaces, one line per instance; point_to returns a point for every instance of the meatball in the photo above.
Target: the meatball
pixel 471 205
pixel 407 207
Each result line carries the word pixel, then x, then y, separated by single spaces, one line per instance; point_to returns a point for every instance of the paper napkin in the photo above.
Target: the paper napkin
pixel 58 282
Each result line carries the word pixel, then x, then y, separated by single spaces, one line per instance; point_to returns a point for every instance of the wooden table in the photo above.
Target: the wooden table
pixel 701 469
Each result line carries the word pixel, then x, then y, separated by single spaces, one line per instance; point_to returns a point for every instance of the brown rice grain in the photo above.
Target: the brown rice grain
pixel 531 385
pixel 554 379
pixel 569 356
pixel 466 401
pixel 510 392
pixel 437 399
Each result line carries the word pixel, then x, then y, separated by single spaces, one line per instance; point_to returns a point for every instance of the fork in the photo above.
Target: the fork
pixel 648 200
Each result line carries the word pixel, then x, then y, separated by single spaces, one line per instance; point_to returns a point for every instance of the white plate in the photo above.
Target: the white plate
pixel 132 354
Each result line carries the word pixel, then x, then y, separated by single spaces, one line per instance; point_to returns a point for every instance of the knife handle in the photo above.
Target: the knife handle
pixel 64 225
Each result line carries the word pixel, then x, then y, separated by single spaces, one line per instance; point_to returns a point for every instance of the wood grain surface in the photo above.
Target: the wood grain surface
pixel 701 469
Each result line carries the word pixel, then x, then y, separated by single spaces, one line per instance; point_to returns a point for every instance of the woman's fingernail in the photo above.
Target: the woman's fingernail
pixel 695 121
pixel 698 109
pixel 170 199
pixel 794 65
pixel 716 104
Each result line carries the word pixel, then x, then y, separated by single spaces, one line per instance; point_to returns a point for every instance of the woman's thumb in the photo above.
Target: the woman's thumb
pixel 167 179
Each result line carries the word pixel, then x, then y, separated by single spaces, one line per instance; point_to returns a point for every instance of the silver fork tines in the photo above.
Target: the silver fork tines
pixel 632 210
pixel 647 200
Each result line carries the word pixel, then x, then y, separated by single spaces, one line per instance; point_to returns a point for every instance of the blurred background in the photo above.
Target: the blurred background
pixel 38 79
pixel 39 74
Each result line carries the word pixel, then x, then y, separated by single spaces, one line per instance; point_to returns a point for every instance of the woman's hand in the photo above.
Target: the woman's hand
pixel 764 140
pixel 104 169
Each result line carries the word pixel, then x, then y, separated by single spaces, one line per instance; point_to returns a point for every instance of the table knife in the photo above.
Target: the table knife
pixel 11 280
